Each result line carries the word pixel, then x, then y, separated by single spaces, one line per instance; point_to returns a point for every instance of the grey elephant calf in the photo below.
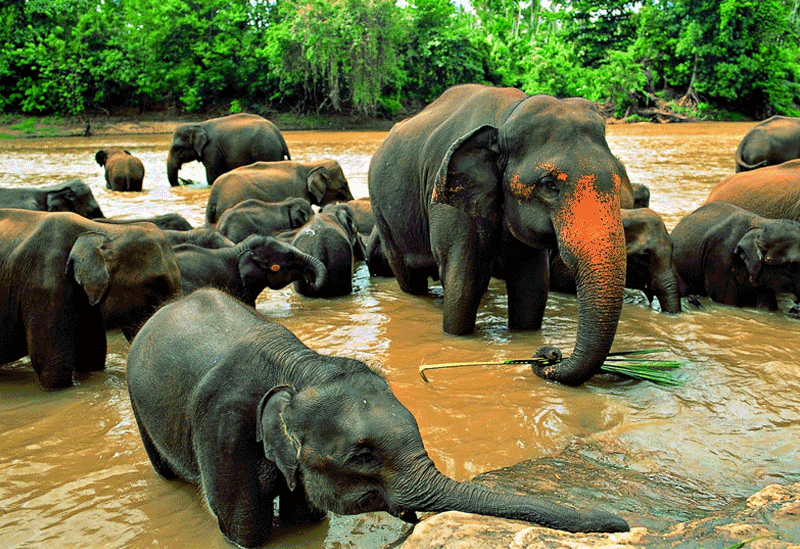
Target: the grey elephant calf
pixel 71 196
pixel 737 257
pixel 225 399
pixel 246 269
pixel 265 218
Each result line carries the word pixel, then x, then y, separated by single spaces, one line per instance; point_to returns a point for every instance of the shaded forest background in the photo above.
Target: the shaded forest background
pixel 711 59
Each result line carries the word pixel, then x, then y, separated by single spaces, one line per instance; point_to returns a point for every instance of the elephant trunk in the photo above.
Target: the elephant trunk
pixel 439 493
pixel 667 289
pixel 173 165
pixel 591 241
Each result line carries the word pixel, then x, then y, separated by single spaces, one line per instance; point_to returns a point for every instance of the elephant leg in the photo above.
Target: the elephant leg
pixel 527 284
pixel 159 464
pixel 465 275
pixel 235 494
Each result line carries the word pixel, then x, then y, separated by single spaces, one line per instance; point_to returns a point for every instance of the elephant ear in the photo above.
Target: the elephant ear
pixel 749 250
pixel 88 264
pixel 281 446
pixel 469 176
pixel 317 183
pixel 298 215
pixel 199 139
pixel 100 157
pixel 249 267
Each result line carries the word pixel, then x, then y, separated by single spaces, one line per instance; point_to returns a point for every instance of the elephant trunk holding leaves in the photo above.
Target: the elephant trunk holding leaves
pixel 490 176
pixel 225 143
pixel 228 400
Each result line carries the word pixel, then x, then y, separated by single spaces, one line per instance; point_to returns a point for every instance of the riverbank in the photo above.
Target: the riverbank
pixel 19 126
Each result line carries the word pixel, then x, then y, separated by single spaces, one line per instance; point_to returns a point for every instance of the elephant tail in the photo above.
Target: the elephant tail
pixel 742 166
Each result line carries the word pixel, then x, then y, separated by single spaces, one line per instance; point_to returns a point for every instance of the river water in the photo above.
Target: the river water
pixel 73 471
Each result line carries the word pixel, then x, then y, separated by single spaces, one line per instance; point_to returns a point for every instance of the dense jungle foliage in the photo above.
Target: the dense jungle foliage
pixel 382 57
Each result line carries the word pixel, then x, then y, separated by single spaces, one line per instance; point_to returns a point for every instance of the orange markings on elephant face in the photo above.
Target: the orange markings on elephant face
pixel 275 268
pixel 519 189
pixel 590 224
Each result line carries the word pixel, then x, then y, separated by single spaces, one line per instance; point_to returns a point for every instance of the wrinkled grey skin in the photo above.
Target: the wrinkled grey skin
pixel 225 143
pixel 205 237
pixel 246 269
pixel 123 171
pixel 332 237
pixel 376 260
pixel 773 141
pixel 321 182
pixel 737 257
pixel 362 212
pixel 168 221
pixel 72 196
pixel 228 400
pixel 65 280
pixel 641 195
pixel 265 218
pixel 650 265
pixel 490 176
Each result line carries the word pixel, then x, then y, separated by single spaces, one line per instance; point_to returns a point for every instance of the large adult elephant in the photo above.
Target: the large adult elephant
pixel 772 192
pixel 225 143
pixel 320 182
pixel 737 257
pixel 71 196
pixel 487 176
pixel 773 141
pixel 64 279
pixel 123 171
pixel 227 400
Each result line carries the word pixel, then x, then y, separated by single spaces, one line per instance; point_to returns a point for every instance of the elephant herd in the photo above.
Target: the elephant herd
pixel 484 182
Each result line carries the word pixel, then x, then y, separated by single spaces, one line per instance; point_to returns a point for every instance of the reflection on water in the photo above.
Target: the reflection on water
pixel 72 467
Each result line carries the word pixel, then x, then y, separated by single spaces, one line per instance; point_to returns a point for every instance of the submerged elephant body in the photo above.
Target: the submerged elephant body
pixel 225 143
pixel 319 182
pixel 72 196
pixel 123 171
pixel 65 279
pixel 251 414
pixel 487 176
pixel 737 257
pixel 773 141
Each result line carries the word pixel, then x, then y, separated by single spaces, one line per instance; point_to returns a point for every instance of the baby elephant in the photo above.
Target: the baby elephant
pixel 332 237
pixel 124 172
pixel 265 218
pixel 228 400
pixel 246 269
pixel 737 257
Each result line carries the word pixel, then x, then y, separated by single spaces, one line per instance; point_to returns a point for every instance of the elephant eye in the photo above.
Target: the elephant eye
pixel 549 185
pixel 365 457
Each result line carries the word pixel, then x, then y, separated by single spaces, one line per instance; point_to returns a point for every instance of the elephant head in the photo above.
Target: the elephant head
pixel 299 211
pixel 343 215
pixel 128 275
pixel 266 262
pixel 326 183
pixel 73 196
pixel 188 142
pixel 547 177
pixel 355 448
pixel 770 251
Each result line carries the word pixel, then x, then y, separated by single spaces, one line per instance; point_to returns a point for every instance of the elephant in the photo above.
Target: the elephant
pixel 205 237
pixel 123 171
pixel 773 141
pixel 332 237
pixel 320 182
pixel 64 280
pixel 228 400
pixel 225 143
pixel 641 195
pixel 71 196
pixel 246 269
pixel 255 216
pixel 375 256
pixel 737 257
pixel 772 192
pixel 650 267
pixel 362 211
pixel 167 221
pixel 485 176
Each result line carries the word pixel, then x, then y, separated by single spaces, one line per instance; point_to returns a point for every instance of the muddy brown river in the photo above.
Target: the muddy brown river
pixel 73 472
